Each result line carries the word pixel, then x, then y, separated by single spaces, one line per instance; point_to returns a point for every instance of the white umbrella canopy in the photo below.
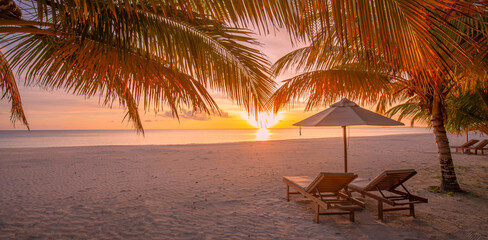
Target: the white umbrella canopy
pixel 346 113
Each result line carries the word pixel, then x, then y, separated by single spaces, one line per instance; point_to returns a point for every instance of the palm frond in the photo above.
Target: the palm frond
pixel 163 57
pixel 324 86
pixel 260 14
pixel 414 35
pixel 465 111
pixel 126 100
pixel 322 53
pixel 11 92
pixel 409 109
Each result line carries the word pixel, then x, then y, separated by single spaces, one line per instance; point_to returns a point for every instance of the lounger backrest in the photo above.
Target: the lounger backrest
pixel 390 179
pixel 470 143
pixel 331 182
pixel 482 144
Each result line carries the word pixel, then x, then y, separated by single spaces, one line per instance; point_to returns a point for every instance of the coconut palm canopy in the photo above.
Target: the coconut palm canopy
pixel 151 53
pixel 382 52
pixel 168 53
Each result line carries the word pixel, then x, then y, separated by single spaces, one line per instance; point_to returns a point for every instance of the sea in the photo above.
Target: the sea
pixel 65 138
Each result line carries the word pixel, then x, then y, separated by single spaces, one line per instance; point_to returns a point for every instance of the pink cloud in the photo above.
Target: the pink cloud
pixel 193 115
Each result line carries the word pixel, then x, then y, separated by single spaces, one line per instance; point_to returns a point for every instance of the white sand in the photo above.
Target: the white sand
pixel 227 191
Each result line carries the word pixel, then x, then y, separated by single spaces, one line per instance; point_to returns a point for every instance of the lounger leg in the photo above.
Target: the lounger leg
pixel 380 210
pixel 287 193
pixel 412 210
pixel 351 216
pixel 317 213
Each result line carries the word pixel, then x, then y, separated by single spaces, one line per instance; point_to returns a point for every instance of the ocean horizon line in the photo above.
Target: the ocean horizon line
pixel 72 138
pixel 271 128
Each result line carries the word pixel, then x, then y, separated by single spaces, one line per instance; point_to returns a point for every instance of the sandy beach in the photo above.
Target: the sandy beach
pixel 228 191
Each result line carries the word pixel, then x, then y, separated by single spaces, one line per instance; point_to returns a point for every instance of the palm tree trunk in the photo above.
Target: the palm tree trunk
pixel 449 181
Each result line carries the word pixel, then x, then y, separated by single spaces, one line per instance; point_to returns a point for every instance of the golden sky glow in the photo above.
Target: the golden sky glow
pixel 57 110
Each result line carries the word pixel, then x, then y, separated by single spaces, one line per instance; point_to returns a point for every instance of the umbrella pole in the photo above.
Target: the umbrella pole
pixel 345 148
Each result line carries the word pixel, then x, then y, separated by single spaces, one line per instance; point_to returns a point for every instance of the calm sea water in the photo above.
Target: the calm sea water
pixel 62 138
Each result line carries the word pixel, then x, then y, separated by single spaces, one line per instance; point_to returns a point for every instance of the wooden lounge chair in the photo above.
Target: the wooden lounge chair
pixel 483 150
pixel 480 146
pixel 466 145
pixel 328 191
pixel 383 189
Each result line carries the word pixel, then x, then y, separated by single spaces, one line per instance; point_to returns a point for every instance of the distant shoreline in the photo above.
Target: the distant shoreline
pixel 184 129
pixel 218 143
pixel 294 136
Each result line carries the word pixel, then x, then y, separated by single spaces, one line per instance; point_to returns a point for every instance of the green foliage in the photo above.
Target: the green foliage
pixel 465 111
pixel 434 189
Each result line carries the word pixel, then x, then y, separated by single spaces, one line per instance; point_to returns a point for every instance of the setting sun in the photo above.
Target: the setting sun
pixel 264 119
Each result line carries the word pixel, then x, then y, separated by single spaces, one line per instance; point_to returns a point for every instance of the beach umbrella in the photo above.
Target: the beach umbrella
pixel 346 113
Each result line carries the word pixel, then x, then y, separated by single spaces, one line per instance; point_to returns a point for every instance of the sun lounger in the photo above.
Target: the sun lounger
pixel 483 150
pixel 328 191
pixel 383 189
pixel 466 145
pixel 480 146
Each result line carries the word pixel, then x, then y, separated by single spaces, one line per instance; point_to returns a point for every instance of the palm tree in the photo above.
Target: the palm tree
pixel 465 111
pixel 151 53
pixel 380 51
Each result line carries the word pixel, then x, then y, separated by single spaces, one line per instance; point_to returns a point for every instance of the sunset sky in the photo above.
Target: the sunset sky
pixel 56 110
